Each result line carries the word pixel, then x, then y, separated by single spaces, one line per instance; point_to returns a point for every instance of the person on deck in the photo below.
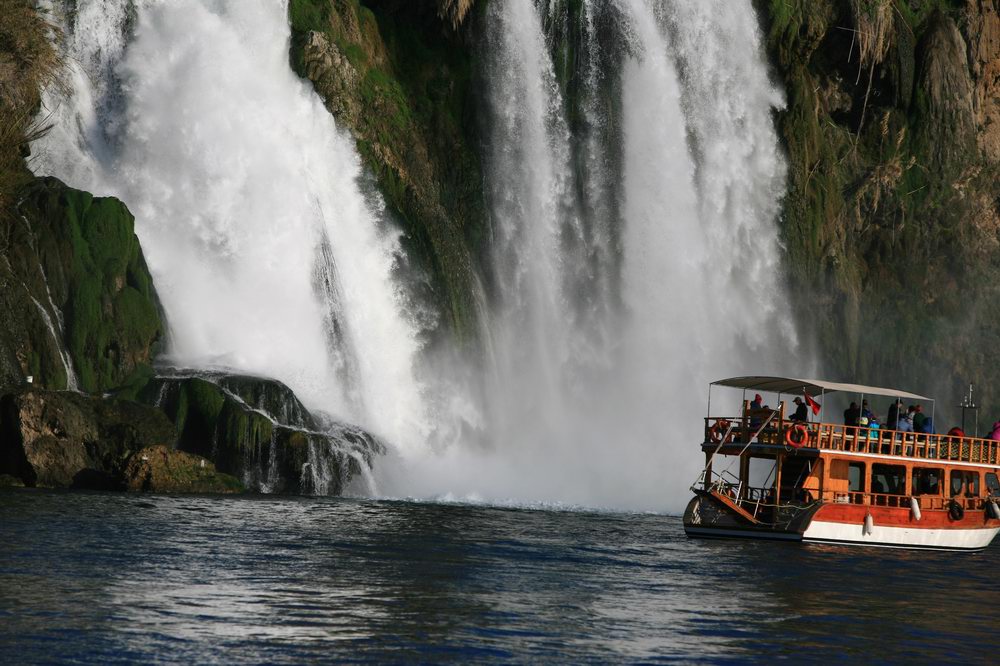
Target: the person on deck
pixel 892 417
pixel 756 404
pixel 919 420
pixel 852 414
pixel 867 413
pixel 906 420
pixel 801 412
pixel 995 435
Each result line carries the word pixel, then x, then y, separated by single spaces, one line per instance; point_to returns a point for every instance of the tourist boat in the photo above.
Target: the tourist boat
pixel 769 477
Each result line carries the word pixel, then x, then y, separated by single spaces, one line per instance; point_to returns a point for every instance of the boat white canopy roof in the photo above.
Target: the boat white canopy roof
pixel 813 386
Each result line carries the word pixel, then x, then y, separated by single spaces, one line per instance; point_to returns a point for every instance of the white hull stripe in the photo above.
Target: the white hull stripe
pixel 870 540
pixel 905 537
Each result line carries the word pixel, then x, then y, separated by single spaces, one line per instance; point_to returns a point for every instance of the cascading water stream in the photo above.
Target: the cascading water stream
pixel 268 256
pixel 636 256
pixel 635 253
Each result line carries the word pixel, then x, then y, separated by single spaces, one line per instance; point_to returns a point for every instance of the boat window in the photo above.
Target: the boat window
pixel 993 484
pixel 971 484
pixel 927 481
pixel 889 479
pixel 856 477
pixel 957 482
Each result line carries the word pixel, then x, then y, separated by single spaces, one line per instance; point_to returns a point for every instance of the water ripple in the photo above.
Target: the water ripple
pixel 105 578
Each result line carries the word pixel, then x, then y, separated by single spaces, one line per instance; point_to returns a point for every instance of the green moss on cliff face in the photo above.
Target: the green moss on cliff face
pixel 883 219
pixel 93 268
pixel 75 290
pixel 401 81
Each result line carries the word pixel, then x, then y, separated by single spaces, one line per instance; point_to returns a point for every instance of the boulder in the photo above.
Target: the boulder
pixel 160 469
pixel 61 439
pixel 8 481
pixel 257 430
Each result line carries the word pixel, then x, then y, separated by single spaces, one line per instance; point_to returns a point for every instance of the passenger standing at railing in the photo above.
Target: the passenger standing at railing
pixel 919 420
pixel 892 417
pixel 801 412
pixel 995 435
pixel 867 413
pixel 852 414
pixel 756 405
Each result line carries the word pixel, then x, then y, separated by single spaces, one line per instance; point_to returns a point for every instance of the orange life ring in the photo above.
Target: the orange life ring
pixel 718 431
pixel 796 436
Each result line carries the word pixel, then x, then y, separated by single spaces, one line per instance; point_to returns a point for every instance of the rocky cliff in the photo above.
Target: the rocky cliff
pixel 78 305
pixel 400 77
pixel 892 216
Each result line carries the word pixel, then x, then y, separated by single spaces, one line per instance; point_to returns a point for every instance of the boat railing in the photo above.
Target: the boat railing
pixel 897 500
pixel 754 499
pixel 854 439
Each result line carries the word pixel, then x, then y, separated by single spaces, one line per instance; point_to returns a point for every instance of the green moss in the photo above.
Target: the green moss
pixel 306 15
pixel 133 386
pixel 80 254
pixel 417 94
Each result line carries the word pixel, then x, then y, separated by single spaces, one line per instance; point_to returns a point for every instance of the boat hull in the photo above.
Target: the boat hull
pixel 888 527
pixel 926 538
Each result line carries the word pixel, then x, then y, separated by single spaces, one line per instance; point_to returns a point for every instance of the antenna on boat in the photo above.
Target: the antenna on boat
pixel 969 403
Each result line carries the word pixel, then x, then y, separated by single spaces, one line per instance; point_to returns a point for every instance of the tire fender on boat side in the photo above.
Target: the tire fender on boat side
pixel 955 510
pixel 796 436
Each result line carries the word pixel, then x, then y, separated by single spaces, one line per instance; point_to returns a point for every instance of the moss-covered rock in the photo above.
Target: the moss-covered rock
pixel 60 439
pixel 159 469
pixel 257 430
pixel 78 304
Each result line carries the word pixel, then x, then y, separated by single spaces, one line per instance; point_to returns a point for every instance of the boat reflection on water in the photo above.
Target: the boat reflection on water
pixel 105 577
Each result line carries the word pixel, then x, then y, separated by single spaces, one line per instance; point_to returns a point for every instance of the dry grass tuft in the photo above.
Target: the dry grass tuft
pixel 884 178
pixel 29 62
pixel 454 11
pixel 873 20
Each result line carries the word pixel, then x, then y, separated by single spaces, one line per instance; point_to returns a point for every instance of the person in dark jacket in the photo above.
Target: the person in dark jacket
pixel 852 414
pixel 892 417
pixel 801 412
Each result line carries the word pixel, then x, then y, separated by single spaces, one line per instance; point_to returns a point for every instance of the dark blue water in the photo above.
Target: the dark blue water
pixel 99 578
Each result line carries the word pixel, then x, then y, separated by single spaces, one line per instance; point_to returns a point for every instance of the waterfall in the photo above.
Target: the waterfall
pixel 633 203
pixel 632 177
pixel 57 330
pixel 57 340
pixel 268 254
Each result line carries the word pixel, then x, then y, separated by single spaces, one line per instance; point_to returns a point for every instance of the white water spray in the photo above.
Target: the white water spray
pixel 267 254
pixel 634 263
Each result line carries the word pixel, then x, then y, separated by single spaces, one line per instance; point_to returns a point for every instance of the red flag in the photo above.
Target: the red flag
pixel 815 406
